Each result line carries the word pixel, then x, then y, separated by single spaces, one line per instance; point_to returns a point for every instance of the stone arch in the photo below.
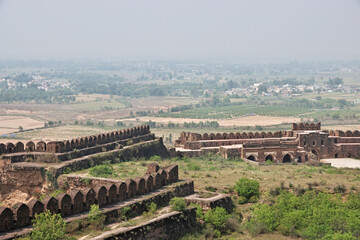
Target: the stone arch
pixel 263 135
pixel 244 135
pixel 312 126
pixel 231 135
pixel 64 201
pixel 51 204
pixel 316 153
pixel 277 135
pixel 218 136
pixel 112 136
pixel 269 157
pixel 86 142
pixel 301 126
pixel 121 135
pixel 205 136
pixel 22 215
pixel 128 133
pixel 269 134
pixel 10 147
pixel 67 146
pixel 81 143
pixel 251 157
pixel 19 147
pixel 77 201
pixel 30 146
pixel 257 135
pixel 299 159
pixel 130 187
pixel 112 193
pixel 89 197
pixel 212 136
pixel 122 191
pixel 250 135
pixel 6 219
pixel 348 133
pixel 35 207
pixel 140 185
pixel 149 182
pixel 2 148
pixel 224 135
pixel 116 135
pixel 163 175
pixel 356 133
pixel 41 146
pixel 237 135
pixel 157 180
pixel 95 140
pixel 287 158
pixel 307 126
pixel 72 144
pixel 101 195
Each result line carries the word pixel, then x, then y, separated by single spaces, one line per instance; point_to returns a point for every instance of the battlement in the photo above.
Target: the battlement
pixel 80 196
pixel 306 126
pixel 72 144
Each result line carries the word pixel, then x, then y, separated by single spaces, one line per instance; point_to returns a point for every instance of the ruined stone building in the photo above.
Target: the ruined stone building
pixel 305 142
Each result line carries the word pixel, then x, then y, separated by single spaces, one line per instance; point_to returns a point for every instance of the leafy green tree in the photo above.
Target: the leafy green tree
pixel 178 204
pixel 247 188
pixel 217 217
pixel 48 226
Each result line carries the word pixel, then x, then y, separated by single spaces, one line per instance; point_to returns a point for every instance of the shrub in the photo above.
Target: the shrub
pixel 217 217
pixel 232 224
pixel 95 218
pixel 178 204
pixel 247 188
pixel 254 199
pixel 105 170
pixel 199 210
pixel 150 209
pixel 48 226
pixel 340 188
pixel 242 200
pixel 310 216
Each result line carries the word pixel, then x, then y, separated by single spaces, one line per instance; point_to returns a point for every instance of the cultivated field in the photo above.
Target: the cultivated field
pixel 9 124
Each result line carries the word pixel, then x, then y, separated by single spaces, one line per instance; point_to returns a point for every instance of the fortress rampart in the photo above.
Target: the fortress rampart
pixel 73 144
pixel 82 194
pixel 305 142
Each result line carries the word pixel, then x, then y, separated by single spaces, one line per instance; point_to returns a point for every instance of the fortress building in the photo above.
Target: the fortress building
pixel 305 142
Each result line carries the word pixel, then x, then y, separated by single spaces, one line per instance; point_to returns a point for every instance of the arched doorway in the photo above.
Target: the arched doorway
pixel 336 155
pixel 269 158
pixel 316 154
pixel 287 158
pixel 299 159
pixel 252 158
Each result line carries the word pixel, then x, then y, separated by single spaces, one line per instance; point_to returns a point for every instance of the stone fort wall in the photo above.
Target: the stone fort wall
pixel 81 197
pixel 72 144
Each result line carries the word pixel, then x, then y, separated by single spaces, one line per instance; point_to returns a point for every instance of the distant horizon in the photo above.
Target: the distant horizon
pixel 250 30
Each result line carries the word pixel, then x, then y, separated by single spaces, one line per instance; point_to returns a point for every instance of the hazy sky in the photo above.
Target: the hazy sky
pixel 294 29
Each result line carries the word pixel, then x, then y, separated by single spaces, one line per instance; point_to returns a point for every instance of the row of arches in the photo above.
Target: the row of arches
pixel 306 126
pixel 244 135
pixel 348 133
pixel 72 144
pixel 287 158
pixel 20 147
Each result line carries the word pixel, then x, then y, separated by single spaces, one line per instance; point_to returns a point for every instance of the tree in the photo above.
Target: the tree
pixel 217 217
pixel 262 89
pixel 21 128
pixel 247 188
pixel 177 204
pixel 48 226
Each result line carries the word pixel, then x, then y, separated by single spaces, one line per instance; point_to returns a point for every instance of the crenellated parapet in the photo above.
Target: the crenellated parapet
pixel 306 126
pixel 76 143
pixel 84 194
